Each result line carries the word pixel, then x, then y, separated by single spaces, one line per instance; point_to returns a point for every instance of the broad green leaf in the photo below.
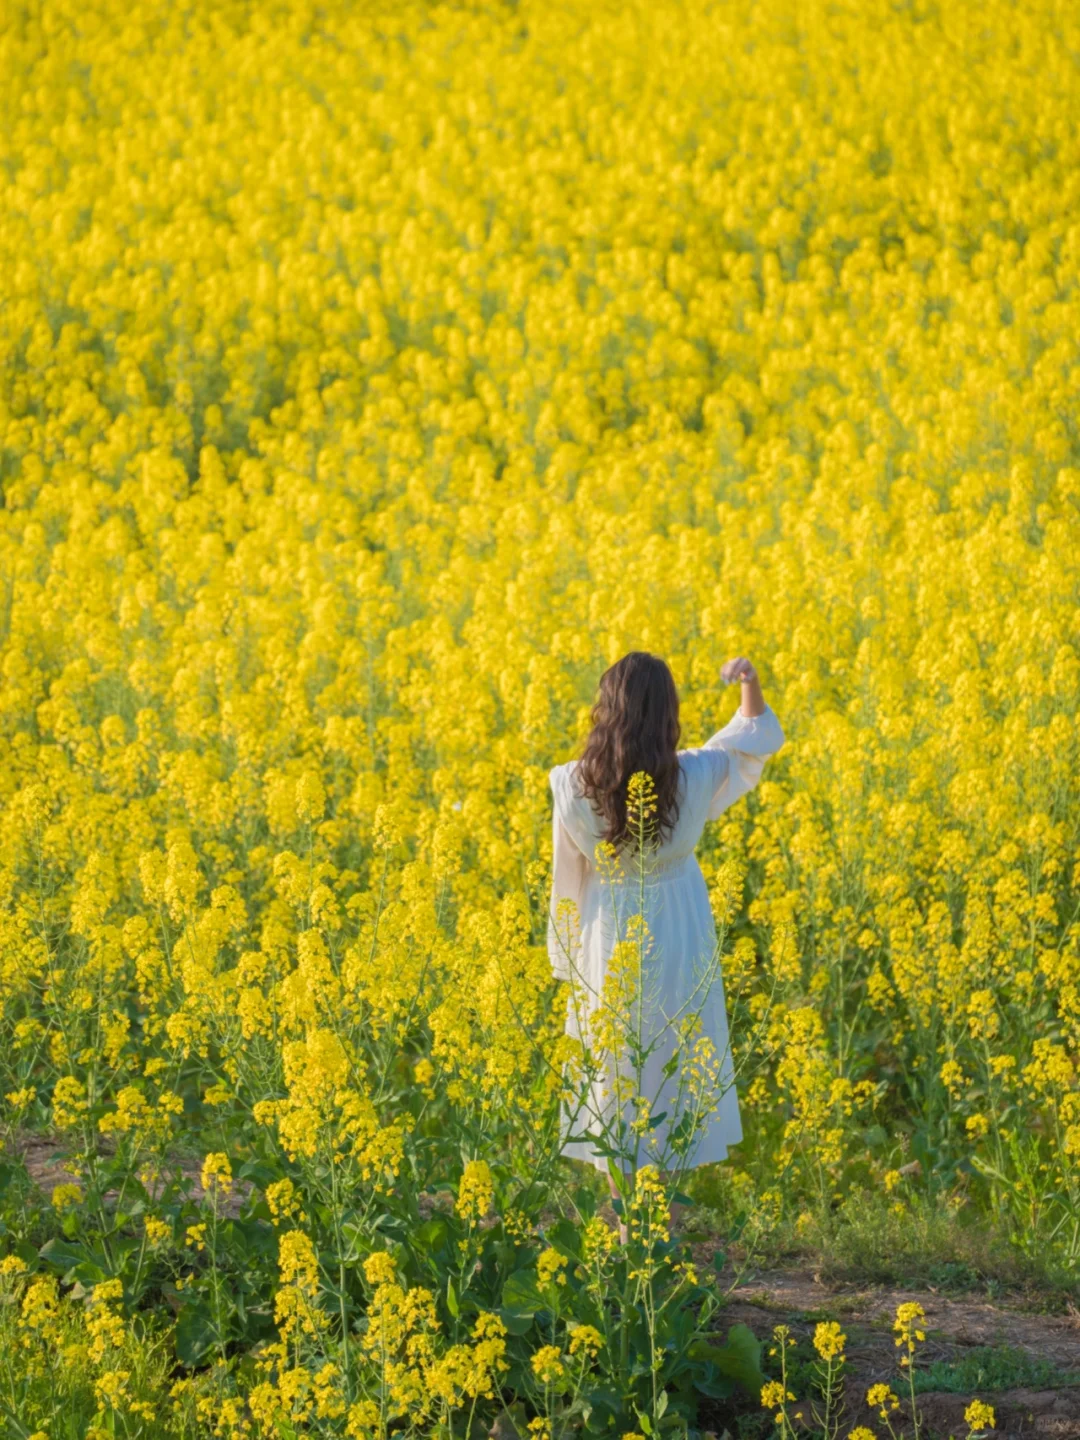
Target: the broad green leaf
pixel 564 1237
pixel 64 1254
pixel 739 1358
pixel 194 1334
pixel 521 1294
pixel 430 1236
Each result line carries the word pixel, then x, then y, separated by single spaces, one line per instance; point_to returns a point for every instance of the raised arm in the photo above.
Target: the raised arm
pixel 748 739
pixel 741 669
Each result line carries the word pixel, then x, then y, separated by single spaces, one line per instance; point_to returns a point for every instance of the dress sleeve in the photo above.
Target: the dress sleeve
pixel 569 869
pixel 745 743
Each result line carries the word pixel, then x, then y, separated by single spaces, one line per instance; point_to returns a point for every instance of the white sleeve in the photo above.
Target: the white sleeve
pixel 569 870
pixel 745 742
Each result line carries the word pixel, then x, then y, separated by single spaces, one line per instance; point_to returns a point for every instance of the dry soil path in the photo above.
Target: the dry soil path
pixel 953 1325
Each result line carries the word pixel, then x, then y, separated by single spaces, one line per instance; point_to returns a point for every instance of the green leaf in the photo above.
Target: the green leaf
pixel 564 1237
pixel 26 1252
pixel 739 1359
pixel 258 1172
pixel 521 1294
pixel 452 1303
pixel 64 1254
pixel 680 1135
pixel 585 1202
pixel 194 1334
pixel 88 1273
pixel 252 1238
pixel 429 1236
pixel 719 1388
pixel 600 1412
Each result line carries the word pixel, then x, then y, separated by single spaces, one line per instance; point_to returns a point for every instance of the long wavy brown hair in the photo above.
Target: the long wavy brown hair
pixel 635 726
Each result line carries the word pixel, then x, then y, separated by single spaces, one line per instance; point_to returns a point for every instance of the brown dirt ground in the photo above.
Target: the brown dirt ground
pixel 800 1299
pixel 44 1159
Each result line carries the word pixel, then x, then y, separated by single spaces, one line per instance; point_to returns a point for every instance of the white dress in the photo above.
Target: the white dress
pixel 680 920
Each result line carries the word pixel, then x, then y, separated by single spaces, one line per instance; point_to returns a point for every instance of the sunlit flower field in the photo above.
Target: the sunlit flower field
pixel 371 377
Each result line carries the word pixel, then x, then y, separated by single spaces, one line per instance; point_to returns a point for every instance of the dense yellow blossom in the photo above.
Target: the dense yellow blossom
pixel 373 376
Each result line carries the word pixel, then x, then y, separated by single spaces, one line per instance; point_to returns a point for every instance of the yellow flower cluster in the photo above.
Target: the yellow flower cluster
pixel 74 1353
pixel 475 1191
pixel 979 1416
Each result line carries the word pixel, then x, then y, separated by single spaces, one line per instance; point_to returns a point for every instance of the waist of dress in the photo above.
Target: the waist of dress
pixel 656 871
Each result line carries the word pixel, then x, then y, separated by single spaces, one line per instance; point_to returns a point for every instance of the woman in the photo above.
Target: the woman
pixel 636 728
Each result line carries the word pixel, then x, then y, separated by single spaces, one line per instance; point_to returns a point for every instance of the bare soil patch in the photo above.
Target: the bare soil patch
pixel 954 1325
pixel 45 1160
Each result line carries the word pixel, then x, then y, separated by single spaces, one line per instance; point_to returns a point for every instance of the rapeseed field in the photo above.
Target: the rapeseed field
pixel 371 377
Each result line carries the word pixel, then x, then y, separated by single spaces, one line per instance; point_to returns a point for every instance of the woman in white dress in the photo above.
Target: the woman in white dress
pixel 636 728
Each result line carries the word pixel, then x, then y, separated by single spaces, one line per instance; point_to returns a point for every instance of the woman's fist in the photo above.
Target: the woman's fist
pixel 738 669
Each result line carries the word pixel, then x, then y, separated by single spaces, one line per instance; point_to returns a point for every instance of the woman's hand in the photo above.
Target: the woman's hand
pixel 753 702
pixel 738 669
